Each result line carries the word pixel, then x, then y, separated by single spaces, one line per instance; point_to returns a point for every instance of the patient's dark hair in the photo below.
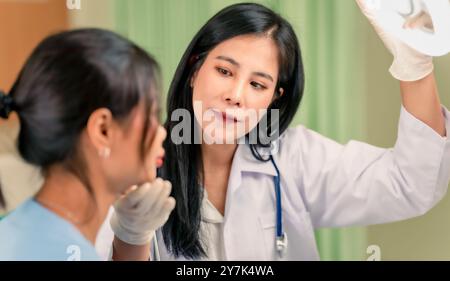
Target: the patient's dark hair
pixel 2 198
pixel 67 77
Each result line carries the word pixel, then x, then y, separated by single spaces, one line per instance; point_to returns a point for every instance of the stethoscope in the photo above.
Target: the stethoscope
pixel 281 240
pixel 281 237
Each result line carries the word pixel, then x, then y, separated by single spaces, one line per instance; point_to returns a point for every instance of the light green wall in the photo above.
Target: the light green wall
pixel 93 13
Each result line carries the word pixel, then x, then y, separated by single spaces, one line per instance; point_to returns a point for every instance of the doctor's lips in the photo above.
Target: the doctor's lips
pixel 227 117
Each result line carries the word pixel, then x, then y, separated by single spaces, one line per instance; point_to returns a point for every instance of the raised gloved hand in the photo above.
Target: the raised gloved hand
pixel 408 64
pixel 142 211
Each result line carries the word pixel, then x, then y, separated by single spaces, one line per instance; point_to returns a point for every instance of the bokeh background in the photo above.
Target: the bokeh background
pixel 349 92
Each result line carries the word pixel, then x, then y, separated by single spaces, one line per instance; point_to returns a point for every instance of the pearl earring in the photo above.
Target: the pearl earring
pixel 105 152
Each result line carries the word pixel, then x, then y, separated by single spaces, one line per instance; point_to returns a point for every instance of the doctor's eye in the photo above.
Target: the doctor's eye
pixel 223 71
pixel 258 86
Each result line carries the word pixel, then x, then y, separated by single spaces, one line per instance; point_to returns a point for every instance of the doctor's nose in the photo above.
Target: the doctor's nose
pixel 234 96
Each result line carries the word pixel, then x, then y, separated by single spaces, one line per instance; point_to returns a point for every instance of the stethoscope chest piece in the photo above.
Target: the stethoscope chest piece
pixel 281 244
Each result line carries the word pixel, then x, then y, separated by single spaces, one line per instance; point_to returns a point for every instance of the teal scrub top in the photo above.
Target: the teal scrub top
pixel 34 233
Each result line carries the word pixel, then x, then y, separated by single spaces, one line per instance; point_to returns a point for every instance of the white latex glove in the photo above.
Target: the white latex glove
pixel 142 211
pixel 408 64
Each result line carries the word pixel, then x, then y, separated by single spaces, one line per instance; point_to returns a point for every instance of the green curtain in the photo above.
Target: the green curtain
pixel 333 51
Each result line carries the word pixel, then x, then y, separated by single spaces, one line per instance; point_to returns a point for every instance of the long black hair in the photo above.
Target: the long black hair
pixel 183 166
pixel 68 76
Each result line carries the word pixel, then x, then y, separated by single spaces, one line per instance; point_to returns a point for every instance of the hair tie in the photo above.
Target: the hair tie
pixel 6 105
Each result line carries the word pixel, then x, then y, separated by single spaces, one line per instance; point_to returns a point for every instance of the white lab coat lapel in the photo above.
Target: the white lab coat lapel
pixel 243 231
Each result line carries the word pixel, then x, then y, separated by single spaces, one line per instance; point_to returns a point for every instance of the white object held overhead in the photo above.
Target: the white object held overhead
pixel 430 38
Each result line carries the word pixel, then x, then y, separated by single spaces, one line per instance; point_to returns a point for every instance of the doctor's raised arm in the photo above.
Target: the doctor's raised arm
pixel 369 185
pixel 414 71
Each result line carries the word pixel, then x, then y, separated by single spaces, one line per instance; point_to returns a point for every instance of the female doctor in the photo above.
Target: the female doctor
pixel 237 202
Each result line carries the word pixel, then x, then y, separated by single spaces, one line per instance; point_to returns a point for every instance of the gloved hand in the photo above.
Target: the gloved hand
pixel 408 64
pixel 142 211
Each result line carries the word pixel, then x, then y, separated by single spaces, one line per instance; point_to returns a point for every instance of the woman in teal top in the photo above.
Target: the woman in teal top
pixel 86 101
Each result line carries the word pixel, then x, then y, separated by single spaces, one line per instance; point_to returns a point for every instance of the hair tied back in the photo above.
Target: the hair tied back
pixel 6 105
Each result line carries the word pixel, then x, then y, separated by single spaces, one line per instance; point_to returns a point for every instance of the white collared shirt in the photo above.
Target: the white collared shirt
pixel 211 228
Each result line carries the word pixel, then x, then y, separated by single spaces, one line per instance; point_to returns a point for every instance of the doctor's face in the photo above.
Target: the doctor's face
pixel 235 82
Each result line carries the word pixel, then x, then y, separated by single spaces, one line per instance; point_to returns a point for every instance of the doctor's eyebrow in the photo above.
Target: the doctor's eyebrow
pixel 235 63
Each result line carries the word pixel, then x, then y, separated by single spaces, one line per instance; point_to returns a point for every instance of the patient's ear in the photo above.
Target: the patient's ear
pixel 100 130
